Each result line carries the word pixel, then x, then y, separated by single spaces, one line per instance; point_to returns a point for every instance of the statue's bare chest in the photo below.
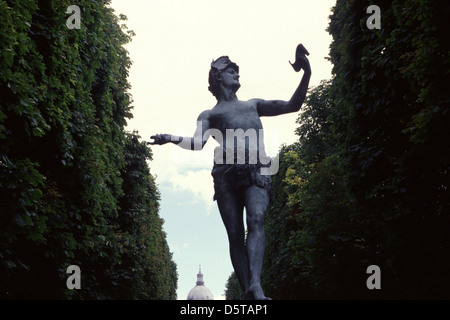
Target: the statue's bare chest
pixel 236 115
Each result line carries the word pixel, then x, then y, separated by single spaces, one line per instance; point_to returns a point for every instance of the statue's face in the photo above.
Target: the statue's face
pixel 230 78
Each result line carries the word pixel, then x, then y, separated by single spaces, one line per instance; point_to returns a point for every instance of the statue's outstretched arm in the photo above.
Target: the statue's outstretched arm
pixel 197 142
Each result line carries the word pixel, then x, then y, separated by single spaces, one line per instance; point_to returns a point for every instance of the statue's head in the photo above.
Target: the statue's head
pixel 217 68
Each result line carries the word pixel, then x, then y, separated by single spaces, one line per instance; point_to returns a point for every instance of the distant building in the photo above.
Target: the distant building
pixel 200 292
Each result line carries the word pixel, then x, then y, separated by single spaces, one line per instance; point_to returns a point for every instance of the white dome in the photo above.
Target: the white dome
pixel 200 292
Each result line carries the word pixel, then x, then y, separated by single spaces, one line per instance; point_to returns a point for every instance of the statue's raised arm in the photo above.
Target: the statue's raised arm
pixel 268 108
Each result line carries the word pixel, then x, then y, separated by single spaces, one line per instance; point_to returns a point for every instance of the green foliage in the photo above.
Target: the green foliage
pixel 310 226
pixel 233 290
pixel 65 162
pixel 146 263
pixel 368 181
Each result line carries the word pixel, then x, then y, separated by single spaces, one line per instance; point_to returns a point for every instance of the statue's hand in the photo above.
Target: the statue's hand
pixel 301 50
pixel 160 139
pixel 301 61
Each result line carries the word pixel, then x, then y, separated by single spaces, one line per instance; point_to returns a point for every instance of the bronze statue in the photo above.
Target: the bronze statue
pixel 239 162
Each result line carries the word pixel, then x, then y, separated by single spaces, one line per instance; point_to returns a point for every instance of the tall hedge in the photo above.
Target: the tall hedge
pixel 64 102
pixel 368 182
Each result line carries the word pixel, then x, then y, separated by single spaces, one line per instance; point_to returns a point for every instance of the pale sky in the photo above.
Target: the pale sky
pixel 175 42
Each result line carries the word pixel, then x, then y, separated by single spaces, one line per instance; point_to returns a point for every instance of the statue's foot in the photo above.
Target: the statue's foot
pixel 255 292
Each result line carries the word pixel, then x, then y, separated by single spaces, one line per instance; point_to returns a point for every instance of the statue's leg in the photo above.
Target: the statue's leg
pixel 231 209
pixel 256 203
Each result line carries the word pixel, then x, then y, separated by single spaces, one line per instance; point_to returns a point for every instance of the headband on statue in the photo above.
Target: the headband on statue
pixel 224 62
